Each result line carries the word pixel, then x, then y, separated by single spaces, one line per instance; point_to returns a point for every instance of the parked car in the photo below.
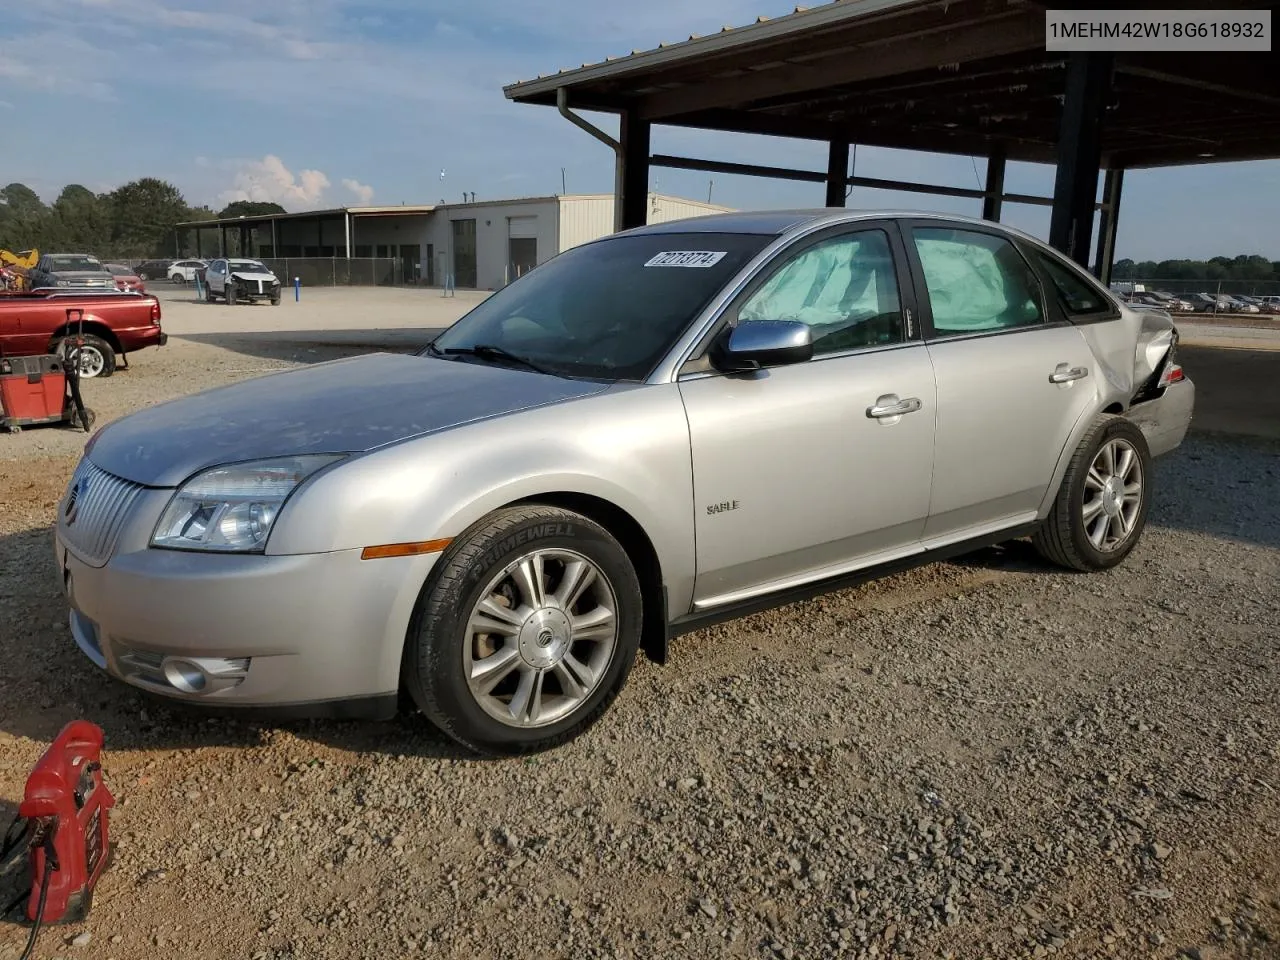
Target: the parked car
pixel 79 271
pixel 115 325
pixel 656 429
pixel 1239 305
pixel 1206 303
pixel 126 278
pixel 153 269
pixel 1165 300
pixel 184 271
pixel 240 281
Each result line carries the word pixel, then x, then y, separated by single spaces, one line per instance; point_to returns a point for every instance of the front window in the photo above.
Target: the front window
pixel 844 288
pixel 248 265
pixel 609 310
pixel 75 263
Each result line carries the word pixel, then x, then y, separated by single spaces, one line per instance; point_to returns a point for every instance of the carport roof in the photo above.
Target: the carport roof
pixel 397 210
pixel 946 76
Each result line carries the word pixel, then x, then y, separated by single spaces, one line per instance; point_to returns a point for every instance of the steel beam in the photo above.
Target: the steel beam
pixel 1108 220
pixel 991 203
pixel 1079 154
pixel 814 176
pixel 633 152
pixel 837 172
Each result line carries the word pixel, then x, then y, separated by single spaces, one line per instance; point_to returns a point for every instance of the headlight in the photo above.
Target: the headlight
pixel 232 509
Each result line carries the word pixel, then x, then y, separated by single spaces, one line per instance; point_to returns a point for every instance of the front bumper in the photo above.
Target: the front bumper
pixel 303 635
pixel 251 290
pixel 1165 421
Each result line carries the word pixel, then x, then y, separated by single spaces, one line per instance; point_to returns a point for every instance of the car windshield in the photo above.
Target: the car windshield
pixel 608 310
pixel 248 265
pixel 76 263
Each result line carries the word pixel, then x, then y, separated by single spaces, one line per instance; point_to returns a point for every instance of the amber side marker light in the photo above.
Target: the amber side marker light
pixel 404 549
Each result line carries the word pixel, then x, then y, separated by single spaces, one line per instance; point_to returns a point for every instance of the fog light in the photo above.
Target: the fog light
pixel 185 675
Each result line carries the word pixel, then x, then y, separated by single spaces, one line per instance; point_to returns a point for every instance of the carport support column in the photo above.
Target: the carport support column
pixel 994 199
pixel 1107 224
pixel 632 179
pixel 837 173
pixel 1079 154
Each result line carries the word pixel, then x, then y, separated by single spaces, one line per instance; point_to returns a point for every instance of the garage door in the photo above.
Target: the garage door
pixel 523 226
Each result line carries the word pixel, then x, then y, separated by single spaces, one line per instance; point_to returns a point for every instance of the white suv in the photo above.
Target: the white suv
pixel 238 281
pixel 184 271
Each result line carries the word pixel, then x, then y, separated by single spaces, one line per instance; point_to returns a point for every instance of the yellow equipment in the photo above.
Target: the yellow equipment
pixel 18 265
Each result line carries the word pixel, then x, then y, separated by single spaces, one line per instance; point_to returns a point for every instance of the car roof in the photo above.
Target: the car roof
pixel 779 222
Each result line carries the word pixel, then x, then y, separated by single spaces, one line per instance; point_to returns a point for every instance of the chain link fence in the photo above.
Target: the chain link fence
pixel 341 272
pixel 1232 288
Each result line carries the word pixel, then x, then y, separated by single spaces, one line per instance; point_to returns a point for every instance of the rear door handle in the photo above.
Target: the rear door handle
pixel 890 406
pixel 1065 374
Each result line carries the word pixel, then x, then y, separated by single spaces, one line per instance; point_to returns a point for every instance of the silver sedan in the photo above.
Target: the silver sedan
pixel 664 427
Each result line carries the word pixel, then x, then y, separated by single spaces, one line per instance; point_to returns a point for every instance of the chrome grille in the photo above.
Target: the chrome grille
pixel 93 511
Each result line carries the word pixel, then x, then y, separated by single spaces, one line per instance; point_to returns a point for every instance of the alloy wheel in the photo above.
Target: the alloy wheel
pixel 1113 492
pixel 540 638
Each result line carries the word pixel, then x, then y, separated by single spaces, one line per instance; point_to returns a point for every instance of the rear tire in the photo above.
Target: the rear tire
pixel 1101 508
pixel 97 358
pixel 550 600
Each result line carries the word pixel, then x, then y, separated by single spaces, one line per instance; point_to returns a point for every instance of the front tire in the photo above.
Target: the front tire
pixel 1101 508
pixel 230 290
pixel 525 632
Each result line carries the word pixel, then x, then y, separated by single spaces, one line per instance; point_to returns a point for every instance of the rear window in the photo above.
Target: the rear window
pixel 1075 294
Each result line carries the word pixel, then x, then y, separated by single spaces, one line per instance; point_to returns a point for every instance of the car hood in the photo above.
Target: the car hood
pixel 252 275
pixel 343 406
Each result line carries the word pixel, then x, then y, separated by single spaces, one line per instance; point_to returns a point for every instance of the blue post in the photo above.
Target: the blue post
pixel 199 287
pixel 297 289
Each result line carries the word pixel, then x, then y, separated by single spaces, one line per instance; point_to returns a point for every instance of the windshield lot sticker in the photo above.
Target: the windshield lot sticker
pixel 686 258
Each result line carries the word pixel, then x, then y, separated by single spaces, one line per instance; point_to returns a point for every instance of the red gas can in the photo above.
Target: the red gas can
pixel 32 390
pixel 66 803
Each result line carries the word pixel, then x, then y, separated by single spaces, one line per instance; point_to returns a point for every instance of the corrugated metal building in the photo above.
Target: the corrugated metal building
pixel 482 245
pixel 490 243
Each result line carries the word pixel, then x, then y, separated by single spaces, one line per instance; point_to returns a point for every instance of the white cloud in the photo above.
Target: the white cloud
pixel 269 180
pixel 362 191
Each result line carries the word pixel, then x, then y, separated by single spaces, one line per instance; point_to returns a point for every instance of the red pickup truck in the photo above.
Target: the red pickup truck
pixel 114 324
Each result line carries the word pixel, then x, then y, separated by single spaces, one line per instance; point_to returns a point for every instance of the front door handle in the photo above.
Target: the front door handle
pixel 890 406
pixel 1065 374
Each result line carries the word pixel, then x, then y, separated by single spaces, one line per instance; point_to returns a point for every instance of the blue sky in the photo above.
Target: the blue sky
pixel 324 102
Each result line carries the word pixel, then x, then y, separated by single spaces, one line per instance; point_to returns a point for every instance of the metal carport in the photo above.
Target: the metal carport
pixel 968 77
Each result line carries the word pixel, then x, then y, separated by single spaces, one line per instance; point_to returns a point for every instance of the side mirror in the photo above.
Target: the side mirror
pixel 763 343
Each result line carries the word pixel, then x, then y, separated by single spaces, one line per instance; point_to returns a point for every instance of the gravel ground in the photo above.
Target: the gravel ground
pixel 986 758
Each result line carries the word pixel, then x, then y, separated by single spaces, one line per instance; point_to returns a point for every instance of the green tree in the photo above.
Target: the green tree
pixel 81 221
pixel 143 214
pixel 250 208
pixel 24 218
